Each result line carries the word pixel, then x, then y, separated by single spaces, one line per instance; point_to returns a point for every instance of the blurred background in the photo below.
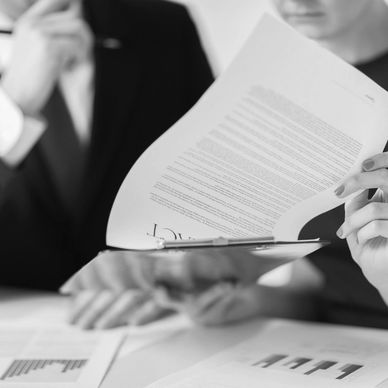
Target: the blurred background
pixel 224 25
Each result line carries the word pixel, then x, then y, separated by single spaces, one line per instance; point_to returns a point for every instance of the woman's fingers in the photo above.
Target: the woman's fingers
pixel 364 181
pixel 376 162
pixel 373 211
pixel 378 228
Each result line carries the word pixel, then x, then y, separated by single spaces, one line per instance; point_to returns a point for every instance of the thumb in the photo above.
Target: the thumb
pixel 351 206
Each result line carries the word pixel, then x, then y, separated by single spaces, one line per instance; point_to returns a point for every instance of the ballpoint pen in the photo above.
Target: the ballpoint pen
pixel 100 41
pixel 230 242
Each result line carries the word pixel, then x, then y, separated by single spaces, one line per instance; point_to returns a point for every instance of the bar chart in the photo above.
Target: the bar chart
pixel 31 370
pixel 308 366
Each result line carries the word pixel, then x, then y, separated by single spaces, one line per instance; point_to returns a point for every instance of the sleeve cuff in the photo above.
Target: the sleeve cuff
pixel 18 133
pixel 11 124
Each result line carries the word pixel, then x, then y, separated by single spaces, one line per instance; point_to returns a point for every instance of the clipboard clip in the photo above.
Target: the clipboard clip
pixel 216 242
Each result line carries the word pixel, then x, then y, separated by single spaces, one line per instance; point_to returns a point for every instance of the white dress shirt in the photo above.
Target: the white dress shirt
pixel 19 133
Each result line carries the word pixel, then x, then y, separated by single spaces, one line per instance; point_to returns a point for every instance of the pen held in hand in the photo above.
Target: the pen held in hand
pixel 100 41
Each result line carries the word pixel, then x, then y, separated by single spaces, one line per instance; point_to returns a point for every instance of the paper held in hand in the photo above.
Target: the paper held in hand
pixel 262 151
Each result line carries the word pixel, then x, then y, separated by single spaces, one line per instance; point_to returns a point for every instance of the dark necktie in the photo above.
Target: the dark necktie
pixel 62 150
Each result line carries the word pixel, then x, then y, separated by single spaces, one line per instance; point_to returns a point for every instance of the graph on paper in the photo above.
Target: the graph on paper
pixel 34 371
pixel 294 354
pixel 308 366
pixel 54 356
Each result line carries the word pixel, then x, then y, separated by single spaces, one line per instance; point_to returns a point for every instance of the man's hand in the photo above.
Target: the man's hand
pixel 226 303
pixel 48 38
pixel 221 304
pixel 114 289
pixel 107 309
pixel 366 221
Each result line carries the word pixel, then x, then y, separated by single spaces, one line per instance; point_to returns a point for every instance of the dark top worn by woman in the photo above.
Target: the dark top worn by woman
pixel 347 296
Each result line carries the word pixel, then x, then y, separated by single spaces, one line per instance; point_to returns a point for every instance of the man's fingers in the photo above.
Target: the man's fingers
pixel 372 230
pixel 80 303
pixel 150 311
pixel 93 311
pixel 46 7
pixel 91 279
pixel 364 181
pixel 355 221
pixel 218 312
pixel 209 298
pixel 195 304
pixel 117 313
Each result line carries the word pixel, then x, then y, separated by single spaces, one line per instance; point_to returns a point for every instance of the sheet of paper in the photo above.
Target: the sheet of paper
pixel 290 354
pixel 262 151
pixel 54 356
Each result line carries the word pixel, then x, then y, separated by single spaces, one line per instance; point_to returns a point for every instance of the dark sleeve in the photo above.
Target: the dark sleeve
pixel 199 75
pixel 6 174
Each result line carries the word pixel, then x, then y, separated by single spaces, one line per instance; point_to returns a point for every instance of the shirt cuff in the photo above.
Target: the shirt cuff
pixel 18 133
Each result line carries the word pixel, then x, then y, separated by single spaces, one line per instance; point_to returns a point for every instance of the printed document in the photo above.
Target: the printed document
pixel 262 151
pixel 54 357
pixel 290 354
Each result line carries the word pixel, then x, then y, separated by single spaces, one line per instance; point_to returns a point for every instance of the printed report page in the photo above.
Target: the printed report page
pixel 262 151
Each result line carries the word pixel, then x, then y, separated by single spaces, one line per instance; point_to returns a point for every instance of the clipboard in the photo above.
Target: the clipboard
pixel 222 242
pixel 266 253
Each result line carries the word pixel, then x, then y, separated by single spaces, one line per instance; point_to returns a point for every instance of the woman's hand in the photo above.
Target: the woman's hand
pixel 366 221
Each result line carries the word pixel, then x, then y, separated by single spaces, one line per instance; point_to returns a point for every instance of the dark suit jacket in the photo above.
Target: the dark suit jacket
pixel 347 296
pixel 141 89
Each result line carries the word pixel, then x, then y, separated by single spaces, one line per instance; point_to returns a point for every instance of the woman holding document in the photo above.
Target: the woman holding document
pixel 355 287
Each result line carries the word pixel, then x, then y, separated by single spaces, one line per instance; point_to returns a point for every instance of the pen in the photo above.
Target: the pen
pixel 259 242
pixel 101 41
pixel 216 242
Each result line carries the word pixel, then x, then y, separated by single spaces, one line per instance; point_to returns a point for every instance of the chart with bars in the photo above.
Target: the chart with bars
pixel 308 366
pixel 43 371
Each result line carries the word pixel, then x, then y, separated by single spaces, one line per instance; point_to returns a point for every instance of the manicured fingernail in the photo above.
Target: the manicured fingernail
pixel 339 190
pixel 368 164
pixel 340 233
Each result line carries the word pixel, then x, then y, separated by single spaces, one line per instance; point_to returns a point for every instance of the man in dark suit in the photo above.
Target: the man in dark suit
pixel 56 189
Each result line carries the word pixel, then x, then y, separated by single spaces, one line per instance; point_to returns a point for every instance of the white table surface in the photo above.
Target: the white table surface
pixel 184 346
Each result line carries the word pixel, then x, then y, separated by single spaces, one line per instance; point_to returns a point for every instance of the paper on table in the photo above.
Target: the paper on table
pixel 54 357
pixel 289 354
pixel 262 151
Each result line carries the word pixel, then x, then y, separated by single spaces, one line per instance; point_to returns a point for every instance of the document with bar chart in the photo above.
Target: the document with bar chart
pixel 54 357
pixel 290 354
